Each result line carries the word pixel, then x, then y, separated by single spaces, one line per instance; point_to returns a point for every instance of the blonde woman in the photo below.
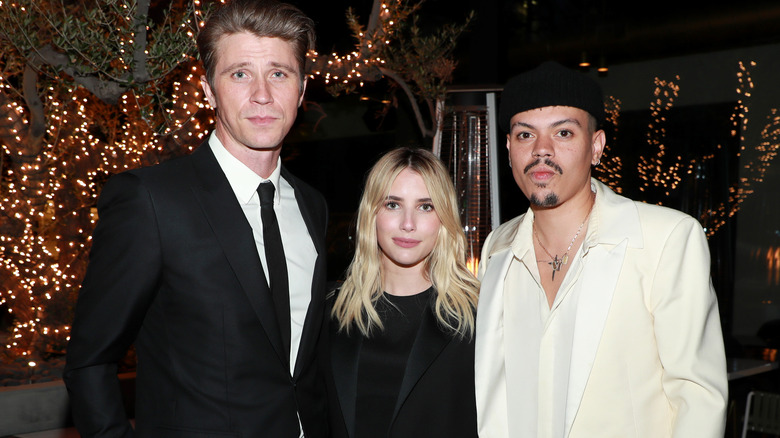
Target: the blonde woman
pixel 400 352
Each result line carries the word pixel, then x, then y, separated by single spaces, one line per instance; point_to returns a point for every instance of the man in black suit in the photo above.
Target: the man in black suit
pixel 181 257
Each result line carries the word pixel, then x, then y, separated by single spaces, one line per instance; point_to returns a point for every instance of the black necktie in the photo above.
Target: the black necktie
pixel 275 260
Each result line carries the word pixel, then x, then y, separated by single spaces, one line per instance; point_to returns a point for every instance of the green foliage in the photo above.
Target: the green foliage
pixel 425 60
pixel 108 46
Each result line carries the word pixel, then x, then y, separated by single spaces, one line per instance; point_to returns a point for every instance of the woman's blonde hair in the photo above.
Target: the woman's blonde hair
pixel 456 288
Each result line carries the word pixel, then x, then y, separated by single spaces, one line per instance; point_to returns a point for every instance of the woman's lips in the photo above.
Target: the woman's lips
pixel 406 243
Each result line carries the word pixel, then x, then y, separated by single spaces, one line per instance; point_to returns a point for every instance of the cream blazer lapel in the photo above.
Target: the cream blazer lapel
pixel 611 231
pixel 597 286
pixel 490 374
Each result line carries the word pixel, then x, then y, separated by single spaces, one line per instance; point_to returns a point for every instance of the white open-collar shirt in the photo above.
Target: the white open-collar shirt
pixel 548 341
pixel 299 250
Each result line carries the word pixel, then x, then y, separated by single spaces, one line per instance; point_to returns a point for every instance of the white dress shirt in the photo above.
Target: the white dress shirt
pixel 298 246
pixel 547 345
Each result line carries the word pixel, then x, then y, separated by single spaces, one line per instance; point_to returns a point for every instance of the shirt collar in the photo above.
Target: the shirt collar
pixel 522 244
pixel 592 236
pixel 242 179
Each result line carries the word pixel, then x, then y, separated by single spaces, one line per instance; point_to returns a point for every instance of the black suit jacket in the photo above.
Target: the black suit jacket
pixel 174 268
pixel 436 398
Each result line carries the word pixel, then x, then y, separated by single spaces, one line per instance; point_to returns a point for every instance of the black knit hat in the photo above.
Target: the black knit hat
pixel 550 84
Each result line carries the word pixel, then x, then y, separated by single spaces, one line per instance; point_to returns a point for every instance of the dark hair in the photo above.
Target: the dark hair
pixel 262 18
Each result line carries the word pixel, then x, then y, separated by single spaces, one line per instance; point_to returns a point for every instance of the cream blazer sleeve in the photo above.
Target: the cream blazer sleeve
pixel 688 333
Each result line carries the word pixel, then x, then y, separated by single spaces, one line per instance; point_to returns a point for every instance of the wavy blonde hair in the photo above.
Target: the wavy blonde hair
pixel 456 288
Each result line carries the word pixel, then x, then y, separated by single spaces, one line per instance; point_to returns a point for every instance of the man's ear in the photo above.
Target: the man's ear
pixel 204 84
pixel 599 141
pixel 303 90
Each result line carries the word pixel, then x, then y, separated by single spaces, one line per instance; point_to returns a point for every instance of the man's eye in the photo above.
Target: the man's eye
pixel 565 133
pixel 239 75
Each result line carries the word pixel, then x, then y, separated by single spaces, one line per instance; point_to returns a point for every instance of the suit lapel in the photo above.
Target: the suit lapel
pixel 305 204
pixel 597 287
pixel 314 314
pixel 345 355
pixel 234 234
pixel 491 357
pixel 427 346
pixel 616 225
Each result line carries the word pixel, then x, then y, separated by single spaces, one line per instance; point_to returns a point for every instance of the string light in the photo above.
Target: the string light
pixel 654 171
pixel 665 171
pixel 610 169
pixel 50 191
pixel 49 186
pixel 50 195
pixel 417 65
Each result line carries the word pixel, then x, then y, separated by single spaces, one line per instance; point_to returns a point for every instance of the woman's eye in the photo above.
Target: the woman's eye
pixel 426 207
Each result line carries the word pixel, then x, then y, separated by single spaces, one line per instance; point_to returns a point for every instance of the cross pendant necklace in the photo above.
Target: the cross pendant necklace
pixel 557 263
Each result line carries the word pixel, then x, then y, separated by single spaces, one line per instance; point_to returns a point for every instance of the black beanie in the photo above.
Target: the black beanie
pixel 550 84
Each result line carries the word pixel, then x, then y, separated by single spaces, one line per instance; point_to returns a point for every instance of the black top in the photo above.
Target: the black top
pixel 383 360
pixel 421 380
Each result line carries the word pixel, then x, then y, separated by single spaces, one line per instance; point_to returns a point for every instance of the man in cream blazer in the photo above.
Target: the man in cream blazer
pixel 597 317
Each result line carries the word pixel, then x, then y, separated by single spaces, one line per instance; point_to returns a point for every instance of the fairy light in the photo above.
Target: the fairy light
pixel 755 164
pixel 609 171
pixel 349 71
pixel 665 170
pixel 48 193
pixel 654 171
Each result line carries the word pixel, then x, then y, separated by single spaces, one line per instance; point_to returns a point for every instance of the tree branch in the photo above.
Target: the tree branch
pixel 415 106
pixel 373 19
pixel 34 104
pixel 140 72
pixel 107 91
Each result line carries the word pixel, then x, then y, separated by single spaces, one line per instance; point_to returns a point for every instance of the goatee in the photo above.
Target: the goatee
pixel 550 200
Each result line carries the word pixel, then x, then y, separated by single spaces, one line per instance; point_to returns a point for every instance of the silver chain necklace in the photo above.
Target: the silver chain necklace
pixel 557 263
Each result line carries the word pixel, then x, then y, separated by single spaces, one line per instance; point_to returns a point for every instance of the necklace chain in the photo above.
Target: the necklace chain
pixel 557 263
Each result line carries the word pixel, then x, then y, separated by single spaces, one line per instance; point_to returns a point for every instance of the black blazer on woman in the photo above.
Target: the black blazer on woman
pixel 436 398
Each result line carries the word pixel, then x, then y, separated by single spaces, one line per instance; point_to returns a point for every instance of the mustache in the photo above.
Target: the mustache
pixel 547 162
